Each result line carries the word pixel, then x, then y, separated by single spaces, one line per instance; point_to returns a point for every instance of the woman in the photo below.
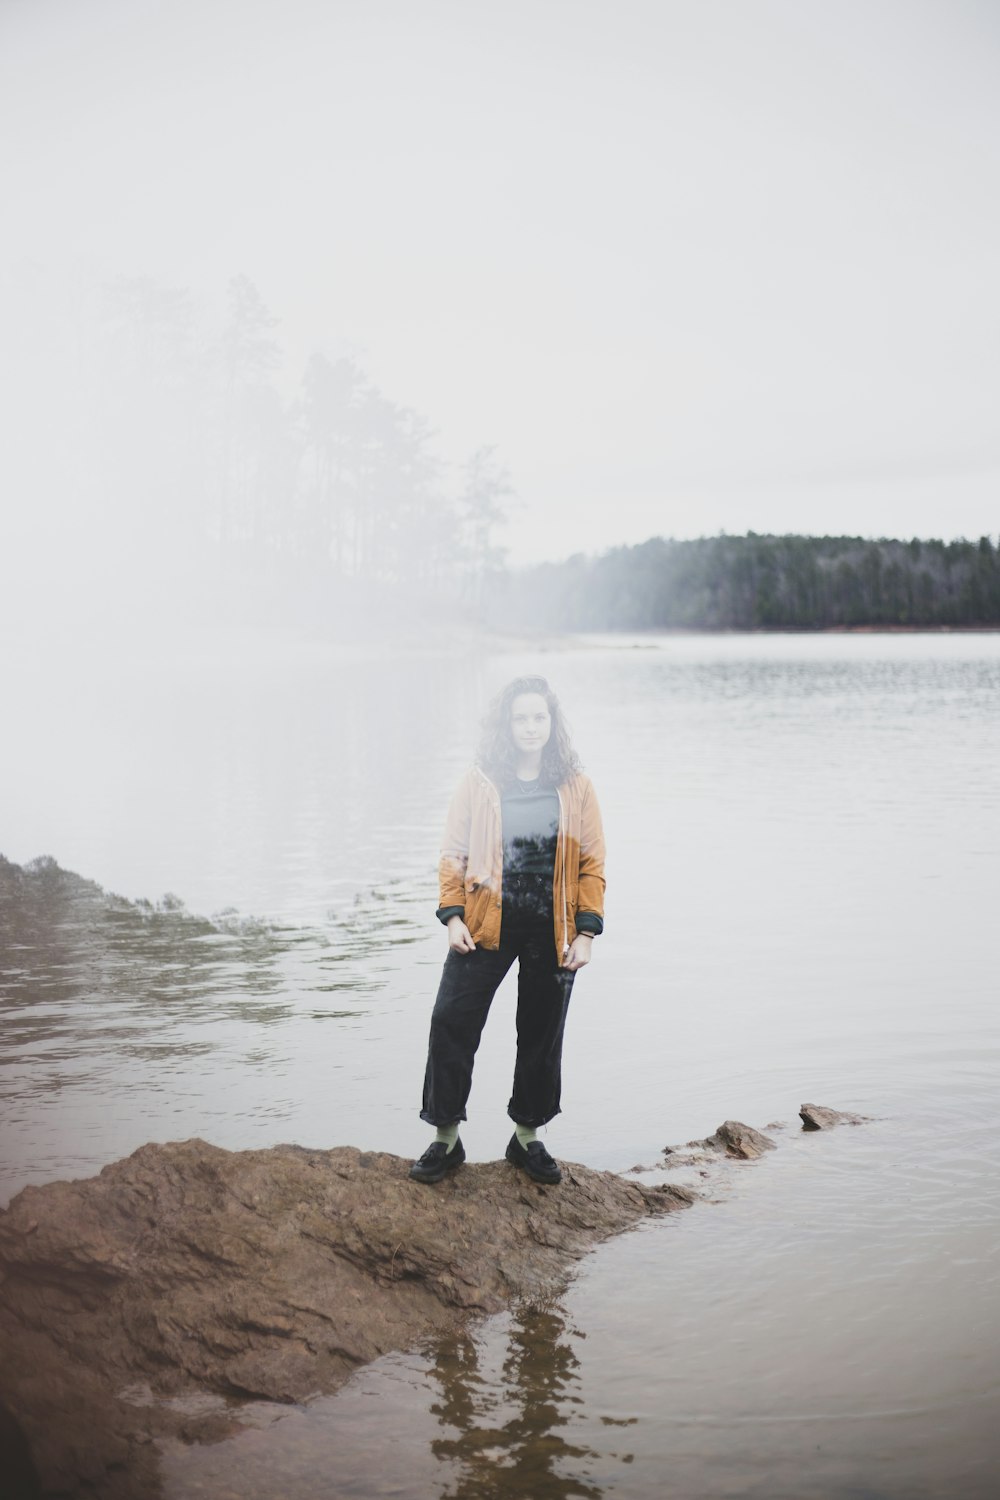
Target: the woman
pixel 521 877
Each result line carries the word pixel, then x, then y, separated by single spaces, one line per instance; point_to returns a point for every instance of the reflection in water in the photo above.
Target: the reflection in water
pixel 507 1457
pixel 65 940
pixel 103 998
pixel 480 1417
pixel 825 804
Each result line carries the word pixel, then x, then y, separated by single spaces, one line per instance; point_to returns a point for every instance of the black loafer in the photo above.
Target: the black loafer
pixel 437 1160
pixel 534 1159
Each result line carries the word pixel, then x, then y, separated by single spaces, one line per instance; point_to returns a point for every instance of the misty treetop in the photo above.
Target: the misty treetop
pixel 183 435
pixel 758 582
pixel 165 443
pixel 337 472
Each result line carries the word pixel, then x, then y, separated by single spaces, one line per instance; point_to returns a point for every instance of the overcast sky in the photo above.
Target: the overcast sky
pixel 691 265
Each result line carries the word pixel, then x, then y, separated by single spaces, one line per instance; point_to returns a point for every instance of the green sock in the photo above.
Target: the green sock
pixel 448 1134
pixel 526 1134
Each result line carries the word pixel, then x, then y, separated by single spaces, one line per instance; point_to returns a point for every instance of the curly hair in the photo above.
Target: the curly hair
pixel 497 753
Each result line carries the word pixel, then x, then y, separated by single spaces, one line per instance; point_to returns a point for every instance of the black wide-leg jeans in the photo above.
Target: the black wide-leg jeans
pixel 465 994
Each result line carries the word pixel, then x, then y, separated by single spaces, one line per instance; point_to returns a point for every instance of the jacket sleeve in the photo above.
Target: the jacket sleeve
pixel 592 882
pixel 455 853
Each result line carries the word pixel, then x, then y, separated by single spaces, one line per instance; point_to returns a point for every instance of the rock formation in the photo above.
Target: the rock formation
pixel 819 1117
pixel 149 1300
pixel 736 1139
pixel 187 1269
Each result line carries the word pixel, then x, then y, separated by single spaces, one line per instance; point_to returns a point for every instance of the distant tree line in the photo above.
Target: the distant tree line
pixel 168 439
pixel 758 582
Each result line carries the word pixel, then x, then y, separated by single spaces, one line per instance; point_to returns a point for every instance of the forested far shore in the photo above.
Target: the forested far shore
pixel 183 469
pixel 758 582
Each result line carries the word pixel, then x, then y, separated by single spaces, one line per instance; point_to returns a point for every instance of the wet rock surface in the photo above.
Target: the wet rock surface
pixel 736 1139
pixel 820 1117
pixel 186 1272
pixel 732 1139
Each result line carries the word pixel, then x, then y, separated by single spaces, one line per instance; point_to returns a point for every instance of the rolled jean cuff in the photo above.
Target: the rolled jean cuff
pixel 532 1124
pixel 443 1124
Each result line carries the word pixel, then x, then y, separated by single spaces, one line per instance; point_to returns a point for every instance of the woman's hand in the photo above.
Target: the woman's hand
pixel 459 936
pixel 579 952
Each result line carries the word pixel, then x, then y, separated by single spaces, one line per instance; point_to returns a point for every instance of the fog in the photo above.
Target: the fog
pixel 322 322
pixel 324 292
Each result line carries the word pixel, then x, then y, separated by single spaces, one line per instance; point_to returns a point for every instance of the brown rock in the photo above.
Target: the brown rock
pixel 819 1117
pixel 273 1274
pixel 736 1139
pixel 18 1477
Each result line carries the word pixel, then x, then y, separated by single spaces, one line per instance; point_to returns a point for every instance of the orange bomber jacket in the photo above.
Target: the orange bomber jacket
pixel 471 868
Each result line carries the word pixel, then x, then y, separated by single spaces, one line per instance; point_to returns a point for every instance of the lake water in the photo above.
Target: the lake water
pixel 803 881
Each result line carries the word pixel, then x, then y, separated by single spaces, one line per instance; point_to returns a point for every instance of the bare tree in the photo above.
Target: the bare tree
pixel 249 356
pixel 486 485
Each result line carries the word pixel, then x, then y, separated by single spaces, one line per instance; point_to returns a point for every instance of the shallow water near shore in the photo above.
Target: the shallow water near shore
pixel 802 886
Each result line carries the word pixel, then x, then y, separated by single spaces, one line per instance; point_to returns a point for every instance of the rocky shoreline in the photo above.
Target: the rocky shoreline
pixel 186 1271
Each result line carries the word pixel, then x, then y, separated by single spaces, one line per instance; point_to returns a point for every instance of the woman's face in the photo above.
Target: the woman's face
pixel 530 722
